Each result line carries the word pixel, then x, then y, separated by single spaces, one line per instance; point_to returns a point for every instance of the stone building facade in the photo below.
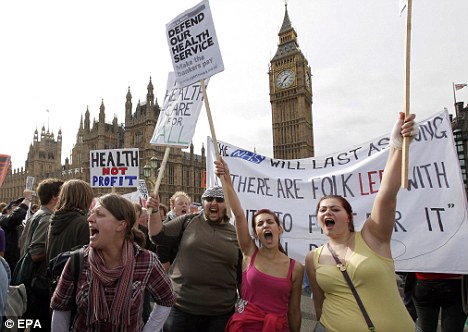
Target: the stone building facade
pixel 460 135
pixel 184 170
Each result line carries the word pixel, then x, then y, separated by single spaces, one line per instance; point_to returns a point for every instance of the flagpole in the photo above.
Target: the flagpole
pixel 215 142
pixel 455 100
pixel 405 152
pixel 48 115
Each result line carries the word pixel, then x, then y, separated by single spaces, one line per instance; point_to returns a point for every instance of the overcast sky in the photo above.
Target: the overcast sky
pixel 65 56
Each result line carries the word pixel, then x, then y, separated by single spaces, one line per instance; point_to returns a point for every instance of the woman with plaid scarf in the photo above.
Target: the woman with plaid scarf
pixel 116 272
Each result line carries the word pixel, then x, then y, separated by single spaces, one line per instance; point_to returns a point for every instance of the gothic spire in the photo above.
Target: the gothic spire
pixel 286 21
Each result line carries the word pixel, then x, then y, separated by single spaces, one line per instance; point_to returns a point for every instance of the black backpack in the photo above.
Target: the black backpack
pixel 57 264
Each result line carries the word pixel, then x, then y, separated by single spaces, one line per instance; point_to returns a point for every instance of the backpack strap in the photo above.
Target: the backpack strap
pixel 76 261
pixel 76 257
pixel 187 221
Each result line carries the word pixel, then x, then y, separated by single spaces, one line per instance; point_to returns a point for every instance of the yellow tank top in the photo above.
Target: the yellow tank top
pixel 373 277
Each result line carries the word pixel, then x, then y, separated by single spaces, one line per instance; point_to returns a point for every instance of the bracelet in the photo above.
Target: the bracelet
pixel 155 211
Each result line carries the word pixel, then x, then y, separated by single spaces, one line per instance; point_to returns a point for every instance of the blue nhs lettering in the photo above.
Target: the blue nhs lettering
pixel 249 156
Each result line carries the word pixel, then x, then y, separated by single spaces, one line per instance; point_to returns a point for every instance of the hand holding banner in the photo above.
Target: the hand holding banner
pixel 404 161
pixel 431 221
pixel 195 53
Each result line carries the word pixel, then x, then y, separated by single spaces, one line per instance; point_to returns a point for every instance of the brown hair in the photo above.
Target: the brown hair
pixel 275 218
pixel 122 209
pixel 345 205
pixel 47 189
pixel 163 207
pixel 75 194
pixel 138 208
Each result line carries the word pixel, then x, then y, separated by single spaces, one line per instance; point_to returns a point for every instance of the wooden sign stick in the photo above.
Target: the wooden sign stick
pixel 215 141
pixel 405 152
pixel 160 175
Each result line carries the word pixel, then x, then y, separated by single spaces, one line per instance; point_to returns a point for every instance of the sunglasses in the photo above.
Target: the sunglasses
pixel 218 199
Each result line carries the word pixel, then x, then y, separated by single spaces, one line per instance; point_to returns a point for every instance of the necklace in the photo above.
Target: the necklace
pixel 341 264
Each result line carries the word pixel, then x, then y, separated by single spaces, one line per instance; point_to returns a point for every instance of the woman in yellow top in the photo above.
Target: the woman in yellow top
pixel 366 255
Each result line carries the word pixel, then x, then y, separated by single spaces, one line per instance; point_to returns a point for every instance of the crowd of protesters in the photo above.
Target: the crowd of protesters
pixel 136 268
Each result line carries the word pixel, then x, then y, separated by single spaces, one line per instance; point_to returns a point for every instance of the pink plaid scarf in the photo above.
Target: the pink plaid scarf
pixel 98 310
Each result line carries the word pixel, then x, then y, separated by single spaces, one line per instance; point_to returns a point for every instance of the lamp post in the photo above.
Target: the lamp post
pixel 150 171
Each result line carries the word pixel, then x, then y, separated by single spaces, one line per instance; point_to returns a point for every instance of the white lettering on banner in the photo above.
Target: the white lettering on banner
pixel 431 221
pixel 114 167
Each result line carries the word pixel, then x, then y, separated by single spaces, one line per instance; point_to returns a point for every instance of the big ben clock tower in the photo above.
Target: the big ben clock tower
pixel 291 97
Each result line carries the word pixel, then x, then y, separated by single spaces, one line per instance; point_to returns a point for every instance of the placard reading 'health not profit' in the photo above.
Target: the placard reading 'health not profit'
pixel 114 168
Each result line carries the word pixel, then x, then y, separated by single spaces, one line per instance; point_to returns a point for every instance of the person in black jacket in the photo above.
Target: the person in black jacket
pixel 12 216
pixel 69 225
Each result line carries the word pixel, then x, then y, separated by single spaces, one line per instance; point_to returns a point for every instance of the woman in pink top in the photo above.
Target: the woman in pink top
pixel 271 281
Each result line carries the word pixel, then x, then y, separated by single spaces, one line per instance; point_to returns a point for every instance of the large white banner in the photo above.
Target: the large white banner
pixel 431 229
pixel 179 115
pixel 114 168
pixel 193 45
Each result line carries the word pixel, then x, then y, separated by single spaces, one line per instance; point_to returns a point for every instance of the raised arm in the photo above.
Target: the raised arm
pixel 155 223
pixel 377 229
pixel 246 244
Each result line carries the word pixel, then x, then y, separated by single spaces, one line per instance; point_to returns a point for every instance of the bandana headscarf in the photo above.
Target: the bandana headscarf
pixel 213 192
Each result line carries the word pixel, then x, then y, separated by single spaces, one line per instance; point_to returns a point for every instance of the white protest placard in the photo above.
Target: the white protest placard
pixel 431 229
pixel 193 45
pixel 114 168
pixel 30 182
pixel 134 197
pixel 143 190
pixel 179 115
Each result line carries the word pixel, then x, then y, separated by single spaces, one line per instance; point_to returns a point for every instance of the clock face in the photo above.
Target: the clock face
pixel 285 79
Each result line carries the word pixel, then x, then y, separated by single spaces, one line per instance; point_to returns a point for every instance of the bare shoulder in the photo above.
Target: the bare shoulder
pixel 298 268
pixel 309 259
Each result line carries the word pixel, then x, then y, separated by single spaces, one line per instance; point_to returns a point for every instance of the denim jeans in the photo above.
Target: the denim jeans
pixel 179 321
pixel 319 327
pixel 443 296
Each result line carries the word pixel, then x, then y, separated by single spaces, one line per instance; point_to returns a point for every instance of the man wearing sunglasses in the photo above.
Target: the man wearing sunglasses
pixel 206 271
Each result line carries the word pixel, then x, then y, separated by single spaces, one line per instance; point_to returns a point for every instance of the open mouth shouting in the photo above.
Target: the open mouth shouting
pixel 329 223
pixel 213 213
pixel 93 233
pixel 268 235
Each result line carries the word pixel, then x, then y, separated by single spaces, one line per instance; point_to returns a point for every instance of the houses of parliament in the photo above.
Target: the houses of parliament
pixel 292 127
